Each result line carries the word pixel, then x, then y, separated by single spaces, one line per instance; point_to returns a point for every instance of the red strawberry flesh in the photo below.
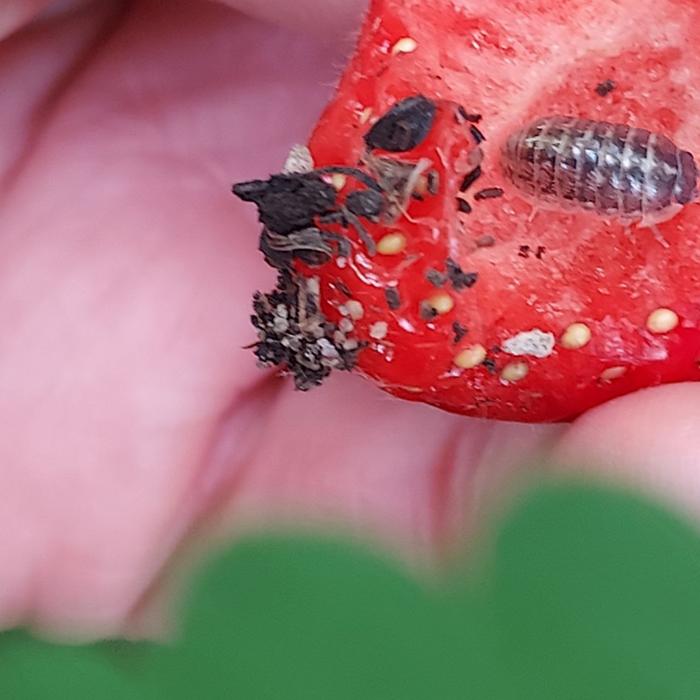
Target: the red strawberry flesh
pixel 546 270
pixel 463 293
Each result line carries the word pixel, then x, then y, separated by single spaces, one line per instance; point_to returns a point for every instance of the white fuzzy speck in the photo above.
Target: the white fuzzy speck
pixel 536 343
pixel 327 349
pixel 299 160
pixel 378 330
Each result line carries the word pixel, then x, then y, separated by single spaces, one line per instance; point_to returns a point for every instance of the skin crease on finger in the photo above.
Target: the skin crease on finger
pixel 129 411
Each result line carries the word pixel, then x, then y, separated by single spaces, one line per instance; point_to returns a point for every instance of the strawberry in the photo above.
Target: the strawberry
pixel 447 284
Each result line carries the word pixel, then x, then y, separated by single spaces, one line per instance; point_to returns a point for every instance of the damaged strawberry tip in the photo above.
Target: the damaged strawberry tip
pixel 295 207
pixel 294 334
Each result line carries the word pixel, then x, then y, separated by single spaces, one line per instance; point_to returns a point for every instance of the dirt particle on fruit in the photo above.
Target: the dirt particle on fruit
pixel 539 253
pixel 662 321
pixel 459 331
pixel 352 308
pixel 437 279
pixel 490 364
pixel 426 311
pixel 605 87
pixel 404 126
pixel 477 135
pixel 472 117
pixel 535 343
pixel 460 280
pixel 295 335
pixel 470 178
pixel 342 288
pixel 485 241
pixel 488 193
pixel 524 251
pixel 298 161
pixel 514 372
pixel 393 298
pixel 378 330
pixel 463 206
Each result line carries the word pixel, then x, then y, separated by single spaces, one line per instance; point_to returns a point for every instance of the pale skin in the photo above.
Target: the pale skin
pixel 130 418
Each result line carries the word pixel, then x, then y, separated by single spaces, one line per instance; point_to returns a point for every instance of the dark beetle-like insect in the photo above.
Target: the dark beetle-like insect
pixel 613 169
pixel 292 208
pixel 288 203
pixel 404 126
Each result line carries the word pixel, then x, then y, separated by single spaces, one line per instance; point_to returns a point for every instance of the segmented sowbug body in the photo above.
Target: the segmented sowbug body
pixel 613 169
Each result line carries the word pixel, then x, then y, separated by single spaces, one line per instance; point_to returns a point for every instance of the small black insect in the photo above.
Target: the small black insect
pixel 605 88
pixel 477 134
pixel 489 193
pixel 288 203
pixel 404 126
pixel 460 280
pixel 293 208
pixel 473 117
pixel 367 203
pixel 459 331
pixel 393 299
pixel 470 178
pixel 437 279
pixel 464 206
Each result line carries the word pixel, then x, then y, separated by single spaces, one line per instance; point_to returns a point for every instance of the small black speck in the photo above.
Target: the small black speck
pixel 469 116
pixel 459 330
pixel 524 251
pixel 437 279
pixel 490 365
pixel 605 88
pixel 470 178
pixel 489 193
pixel 433 182
pixel 342 288
pixel 539 253
pixel 460 279
pixel 427 312
pixel 478 136
pixel 393 299
pixel 404 126
pixel 464 206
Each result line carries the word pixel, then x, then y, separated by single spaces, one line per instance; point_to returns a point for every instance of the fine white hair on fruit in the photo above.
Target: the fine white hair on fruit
pixel 613 169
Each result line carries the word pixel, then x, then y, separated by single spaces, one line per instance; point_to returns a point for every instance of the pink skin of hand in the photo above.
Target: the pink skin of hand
pixel 133 426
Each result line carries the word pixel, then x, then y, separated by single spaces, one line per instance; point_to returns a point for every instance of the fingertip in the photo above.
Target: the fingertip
pixel 649 440
pixel 325 18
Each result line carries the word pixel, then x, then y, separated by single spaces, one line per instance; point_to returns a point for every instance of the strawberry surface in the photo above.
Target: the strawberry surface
pixel 510 310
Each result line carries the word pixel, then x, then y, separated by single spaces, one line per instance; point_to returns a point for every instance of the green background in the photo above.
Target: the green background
pixel 580 592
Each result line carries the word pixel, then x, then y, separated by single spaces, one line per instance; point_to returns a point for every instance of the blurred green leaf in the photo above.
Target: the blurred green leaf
pixel 582 593
pixel 597 595
pixel 34 669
